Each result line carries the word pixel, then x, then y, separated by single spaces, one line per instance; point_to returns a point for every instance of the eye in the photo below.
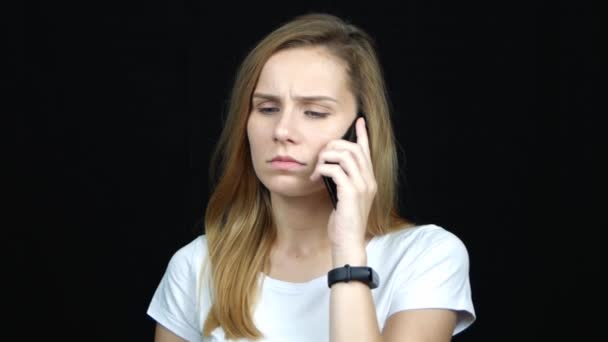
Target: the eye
pixel 316 114
pixel 266 110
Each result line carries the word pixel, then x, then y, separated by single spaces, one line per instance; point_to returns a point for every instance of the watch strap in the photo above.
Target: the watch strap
pixel 349 273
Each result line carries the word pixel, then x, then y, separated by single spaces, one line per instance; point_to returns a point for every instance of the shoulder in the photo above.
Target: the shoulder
pixel 424 236
pixel 190 256
pixel 176 303
pixel 425 243
pixel 429 268
pixel 426 267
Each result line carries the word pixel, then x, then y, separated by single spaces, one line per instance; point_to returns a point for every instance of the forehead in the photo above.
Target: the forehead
pixel 304 71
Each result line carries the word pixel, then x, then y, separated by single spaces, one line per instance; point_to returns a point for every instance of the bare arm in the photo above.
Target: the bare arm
pixel 352 315
pixel 432 325
pixel 162 334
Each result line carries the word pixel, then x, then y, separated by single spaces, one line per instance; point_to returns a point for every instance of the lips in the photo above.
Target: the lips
pixel 286 159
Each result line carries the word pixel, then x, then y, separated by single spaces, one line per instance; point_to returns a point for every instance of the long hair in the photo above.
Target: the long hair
pixel 238 219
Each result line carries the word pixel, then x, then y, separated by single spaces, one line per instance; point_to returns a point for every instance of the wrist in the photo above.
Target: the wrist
pixel 353 257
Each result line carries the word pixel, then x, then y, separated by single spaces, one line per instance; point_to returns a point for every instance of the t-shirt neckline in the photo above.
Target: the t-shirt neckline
pixel 301 286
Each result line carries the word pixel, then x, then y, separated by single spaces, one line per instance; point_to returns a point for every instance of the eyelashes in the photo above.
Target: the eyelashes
pixel 268 110
pixel 311 113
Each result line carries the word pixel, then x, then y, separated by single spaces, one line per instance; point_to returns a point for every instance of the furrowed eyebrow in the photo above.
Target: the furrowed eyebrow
pixel 299 98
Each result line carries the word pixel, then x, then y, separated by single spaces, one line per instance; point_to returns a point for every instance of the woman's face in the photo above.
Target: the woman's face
pixel 300 103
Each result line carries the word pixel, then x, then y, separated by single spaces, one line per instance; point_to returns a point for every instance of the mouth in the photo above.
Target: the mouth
pixel 286 159
pixel 286 165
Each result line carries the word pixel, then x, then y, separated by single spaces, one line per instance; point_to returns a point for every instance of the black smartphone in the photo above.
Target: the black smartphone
pixel 350 135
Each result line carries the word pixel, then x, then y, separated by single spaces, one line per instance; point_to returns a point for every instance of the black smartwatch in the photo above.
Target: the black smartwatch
pixel 347 273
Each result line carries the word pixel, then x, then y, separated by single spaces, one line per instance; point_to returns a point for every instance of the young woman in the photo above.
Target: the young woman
pixel 277 261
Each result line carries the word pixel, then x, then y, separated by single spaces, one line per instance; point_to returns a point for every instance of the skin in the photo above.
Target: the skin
pixel 312 237
pixel 283 123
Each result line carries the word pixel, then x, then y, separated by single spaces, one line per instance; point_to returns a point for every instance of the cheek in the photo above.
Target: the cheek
pixel 255 140
pixel 319 146
pixel 251 134
pixel 248 128
pixel 254 153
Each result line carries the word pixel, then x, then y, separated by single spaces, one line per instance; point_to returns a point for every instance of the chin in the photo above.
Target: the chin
pixel 291 186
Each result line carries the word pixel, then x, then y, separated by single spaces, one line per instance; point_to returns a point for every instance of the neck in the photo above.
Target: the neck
pixel 301 224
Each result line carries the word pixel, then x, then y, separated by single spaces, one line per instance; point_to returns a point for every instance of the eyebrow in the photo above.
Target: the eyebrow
pixel 299 98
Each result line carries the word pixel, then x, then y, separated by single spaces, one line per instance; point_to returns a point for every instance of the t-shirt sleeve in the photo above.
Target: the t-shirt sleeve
pixel 439 278
pixel 174 302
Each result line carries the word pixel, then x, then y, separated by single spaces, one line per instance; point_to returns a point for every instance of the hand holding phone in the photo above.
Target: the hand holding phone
pixel 350 135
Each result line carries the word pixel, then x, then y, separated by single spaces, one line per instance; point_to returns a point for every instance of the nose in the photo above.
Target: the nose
pixel 285 126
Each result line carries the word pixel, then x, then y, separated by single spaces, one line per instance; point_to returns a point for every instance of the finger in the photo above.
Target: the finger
pixel 348 163
pixel 363 160
pixel 337 174
pixel 323 159
pixel 362 138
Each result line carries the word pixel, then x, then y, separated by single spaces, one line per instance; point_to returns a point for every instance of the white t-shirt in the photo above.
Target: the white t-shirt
pixel 419 267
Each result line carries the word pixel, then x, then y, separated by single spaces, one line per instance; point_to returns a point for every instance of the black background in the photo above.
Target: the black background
pixel 114 109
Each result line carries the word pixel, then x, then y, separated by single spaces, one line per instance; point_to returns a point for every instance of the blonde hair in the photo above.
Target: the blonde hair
pixel 238 220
